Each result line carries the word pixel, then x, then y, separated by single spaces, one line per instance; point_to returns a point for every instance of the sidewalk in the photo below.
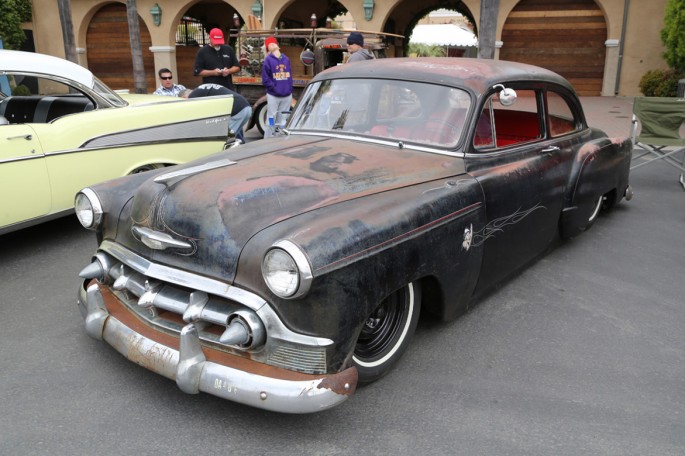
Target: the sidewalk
pixel 611 114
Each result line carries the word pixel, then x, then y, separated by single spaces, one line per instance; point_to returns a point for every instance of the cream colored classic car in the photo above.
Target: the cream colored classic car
pixel 62 129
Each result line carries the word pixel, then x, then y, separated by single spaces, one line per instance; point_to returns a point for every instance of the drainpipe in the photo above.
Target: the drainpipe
pixel 621 45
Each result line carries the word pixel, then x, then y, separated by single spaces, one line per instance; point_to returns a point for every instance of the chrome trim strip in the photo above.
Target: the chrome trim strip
pixel 204 127
pixel 276 328
pixel 20 159
pixel 384 142
pixel 43 155
pixel 163 178
pixel 36 221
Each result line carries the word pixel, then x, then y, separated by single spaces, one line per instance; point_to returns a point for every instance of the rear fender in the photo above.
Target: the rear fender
pixel 601 165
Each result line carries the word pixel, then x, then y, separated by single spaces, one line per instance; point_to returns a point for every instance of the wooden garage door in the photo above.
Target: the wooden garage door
pixel 109 49
pixel 566 36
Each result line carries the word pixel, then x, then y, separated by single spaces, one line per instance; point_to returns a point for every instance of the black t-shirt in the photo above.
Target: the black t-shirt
pixel 208 90
pixel 208 58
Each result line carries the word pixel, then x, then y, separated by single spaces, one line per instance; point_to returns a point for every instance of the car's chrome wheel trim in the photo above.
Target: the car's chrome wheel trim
pixel 595 212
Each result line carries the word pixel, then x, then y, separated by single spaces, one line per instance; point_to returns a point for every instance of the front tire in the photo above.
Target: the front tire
pixel 386 333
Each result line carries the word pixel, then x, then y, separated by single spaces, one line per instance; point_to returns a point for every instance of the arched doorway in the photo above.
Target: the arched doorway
pixel 109 48
pixel 565 36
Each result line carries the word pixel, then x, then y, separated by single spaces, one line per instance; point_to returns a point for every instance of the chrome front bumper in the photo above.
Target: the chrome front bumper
pixel 184 360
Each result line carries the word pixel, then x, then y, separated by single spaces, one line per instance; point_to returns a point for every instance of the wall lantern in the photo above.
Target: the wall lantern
pixel 368 9
pixel 236 20
pixel 257 8
pixel 156 13
pixel 313 22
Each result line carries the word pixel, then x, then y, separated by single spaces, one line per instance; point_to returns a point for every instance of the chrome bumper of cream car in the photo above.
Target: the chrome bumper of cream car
pixel 193 372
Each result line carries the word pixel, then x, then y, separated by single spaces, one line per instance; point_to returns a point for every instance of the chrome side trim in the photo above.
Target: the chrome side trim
pixel 207 127
pixel 276 328
pixel 384 142
pixel 36 221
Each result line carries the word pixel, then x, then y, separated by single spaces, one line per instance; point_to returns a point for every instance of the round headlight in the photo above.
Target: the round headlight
pixel 280 273
pixel 286 270
pixel 88 208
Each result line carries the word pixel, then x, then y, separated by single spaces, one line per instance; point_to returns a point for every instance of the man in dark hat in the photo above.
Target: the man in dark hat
pixel 216 62
pixel 355 46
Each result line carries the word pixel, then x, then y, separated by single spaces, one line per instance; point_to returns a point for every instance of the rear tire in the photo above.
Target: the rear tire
pixel 386 333
pixel 260 118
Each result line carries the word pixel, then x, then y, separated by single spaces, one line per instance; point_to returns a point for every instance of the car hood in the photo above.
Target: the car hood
pixel 217 210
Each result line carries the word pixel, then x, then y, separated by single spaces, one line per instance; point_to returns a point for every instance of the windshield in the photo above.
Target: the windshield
pixel 404 111
pixel 101 89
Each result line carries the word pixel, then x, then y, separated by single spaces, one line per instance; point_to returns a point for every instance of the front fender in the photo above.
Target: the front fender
pixel 362 250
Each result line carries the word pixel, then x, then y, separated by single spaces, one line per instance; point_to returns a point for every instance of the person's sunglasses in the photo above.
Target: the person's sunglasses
pixel 166 78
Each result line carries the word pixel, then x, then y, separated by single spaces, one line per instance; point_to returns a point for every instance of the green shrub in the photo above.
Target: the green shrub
pixel 660 83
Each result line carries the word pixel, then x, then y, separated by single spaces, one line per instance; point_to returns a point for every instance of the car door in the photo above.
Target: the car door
pixel 523 173
pixel 24 180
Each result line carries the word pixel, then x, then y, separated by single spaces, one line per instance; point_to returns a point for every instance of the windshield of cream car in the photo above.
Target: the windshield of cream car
pixel 427 114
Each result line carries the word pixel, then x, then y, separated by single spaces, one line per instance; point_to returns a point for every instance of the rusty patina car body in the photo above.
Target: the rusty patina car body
pixel 287 271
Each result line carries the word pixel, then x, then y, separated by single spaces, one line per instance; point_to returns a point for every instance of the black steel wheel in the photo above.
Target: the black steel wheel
pixel 386 333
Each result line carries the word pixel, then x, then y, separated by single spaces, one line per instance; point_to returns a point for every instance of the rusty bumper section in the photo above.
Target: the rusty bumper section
pixel 196 368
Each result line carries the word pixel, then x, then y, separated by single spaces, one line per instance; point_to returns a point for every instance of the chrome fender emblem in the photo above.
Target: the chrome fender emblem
pixel 468 238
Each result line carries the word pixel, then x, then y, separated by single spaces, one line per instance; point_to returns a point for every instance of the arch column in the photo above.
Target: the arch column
pixel 165 57
pixel 610 67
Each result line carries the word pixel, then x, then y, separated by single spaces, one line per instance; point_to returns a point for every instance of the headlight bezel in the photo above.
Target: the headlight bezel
pixel 303 269
pixel 95 208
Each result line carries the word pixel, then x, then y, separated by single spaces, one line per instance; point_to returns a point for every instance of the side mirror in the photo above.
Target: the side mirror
pixel 507 96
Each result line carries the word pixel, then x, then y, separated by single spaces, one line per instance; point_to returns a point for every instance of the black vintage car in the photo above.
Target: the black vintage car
pixel 284 272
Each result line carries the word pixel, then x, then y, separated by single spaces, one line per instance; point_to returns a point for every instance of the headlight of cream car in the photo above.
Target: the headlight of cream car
pixel 286 270
pixel 88 208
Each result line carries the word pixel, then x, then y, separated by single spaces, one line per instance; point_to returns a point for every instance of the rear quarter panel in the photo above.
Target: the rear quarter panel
pixel 601 164
pixel 87 148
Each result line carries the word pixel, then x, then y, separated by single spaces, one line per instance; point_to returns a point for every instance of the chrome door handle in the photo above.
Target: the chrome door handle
pixel 26 137
pixel 550 150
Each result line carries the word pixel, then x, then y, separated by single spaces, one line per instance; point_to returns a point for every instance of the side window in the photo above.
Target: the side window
pixel 561 119
pixel 502 126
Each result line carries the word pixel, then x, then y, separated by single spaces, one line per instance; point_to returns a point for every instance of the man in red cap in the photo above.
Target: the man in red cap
pixel 277 77
pixel 217 61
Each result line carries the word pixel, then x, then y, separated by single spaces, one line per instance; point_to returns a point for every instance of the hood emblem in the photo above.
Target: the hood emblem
pixel 468 238
pixel 157 240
